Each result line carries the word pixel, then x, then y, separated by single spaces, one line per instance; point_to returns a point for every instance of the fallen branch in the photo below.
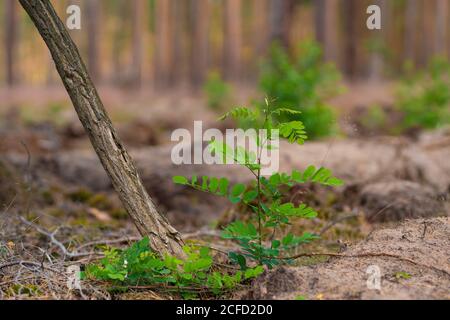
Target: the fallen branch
pixel 51 236
pixel 29 263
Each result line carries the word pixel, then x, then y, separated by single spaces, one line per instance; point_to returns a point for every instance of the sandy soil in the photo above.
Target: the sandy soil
pixel 413 259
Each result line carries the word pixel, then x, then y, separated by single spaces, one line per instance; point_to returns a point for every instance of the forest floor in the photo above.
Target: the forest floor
pixel 58 207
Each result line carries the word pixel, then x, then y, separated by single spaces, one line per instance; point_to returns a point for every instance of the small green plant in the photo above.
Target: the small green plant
pixel 263 239
pixel 424 97
pixel 402 275
pixel 374 118
pixel 138 265
pixel 218 92
pixel 302 84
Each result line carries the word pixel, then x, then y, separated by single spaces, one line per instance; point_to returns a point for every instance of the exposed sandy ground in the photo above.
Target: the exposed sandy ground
pixel 387 179
pixel 414 263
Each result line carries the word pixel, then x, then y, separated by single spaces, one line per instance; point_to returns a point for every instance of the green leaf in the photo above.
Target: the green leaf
pixel 293 131
pixel 287 240
pixel 308 173
pixel 274 179
pixel 239 113
pixel 275 243
pixel 116 276
pixel 205 183
pixel 297 176
pixel 250 195
pixel 237 190
pixel 287 111
pixel 180 180
pixel 334 182
pixel 213 184
pixel 222 149
pixel 240 230
pixel 234 200
pixel 253 272
pixel 223 186
pixel 238 259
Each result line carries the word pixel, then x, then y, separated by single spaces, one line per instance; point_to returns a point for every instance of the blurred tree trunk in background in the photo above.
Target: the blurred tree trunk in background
pixel 187 37
pixel 119 34
pixel 442 26
pixel 350 36
pixel 326 26
pixel 281 12
pixel 426 32
pixel 177 30
pixel 163 43
pixel 137 18
pixel 10 40
pixel 320 21
pixel 200 13
pixel 379 40
pixel 93 8
pixel 232 42
pixel 260 30
pixel 411 15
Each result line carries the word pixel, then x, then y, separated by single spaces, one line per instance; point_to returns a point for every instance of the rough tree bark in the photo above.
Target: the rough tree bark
pixel 112 154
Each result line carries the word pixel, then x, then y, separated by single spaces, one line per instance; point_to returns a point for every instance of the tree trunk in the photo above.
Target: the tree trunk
pixel 232 39
pixel 319 21
pixel 10 40
pixel 350 31
pixel 281 12
pixel 112 154
pixel 199 47
pixel 137 35
pixel 259 36
pixel 119 34
pixel 93 23
pixel 177 28
pixel 163 42
pixel 412 7
pixel 442 27
pixel 427 30
pixel 326 21
pixel 379 37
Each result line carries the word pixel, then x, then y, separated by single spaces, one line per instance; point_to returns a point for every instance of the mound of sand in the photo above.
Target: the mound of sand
pixel 413 261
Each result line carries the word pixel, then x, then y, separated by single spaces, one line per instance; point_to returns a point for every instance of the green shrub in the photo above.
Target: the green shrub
pixel 302 84
pixel 138 265
pixel 263 239
pixel 424 97
pixel 217 91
